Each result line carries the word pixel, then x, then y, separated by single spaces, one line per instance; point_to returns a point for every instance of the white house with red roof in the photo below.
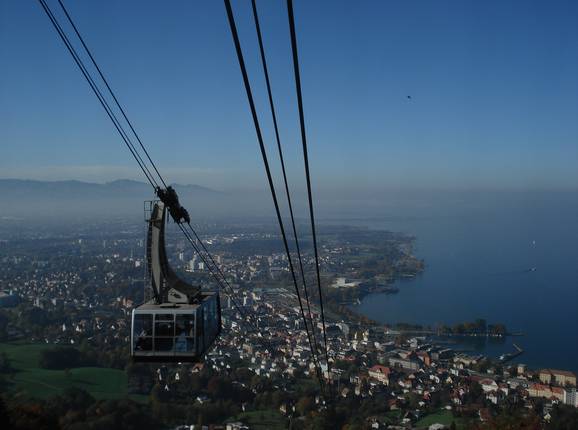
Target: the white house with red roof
pixel 380 373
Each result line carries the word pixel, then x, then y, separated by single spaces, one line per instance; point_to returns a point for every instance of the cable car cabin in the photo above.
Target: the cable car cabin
pixel 175 332
pixel 181 322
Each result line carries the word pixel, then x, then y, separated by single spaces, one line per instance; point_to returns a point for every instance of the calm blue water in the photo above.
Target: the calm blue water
pixel 478 248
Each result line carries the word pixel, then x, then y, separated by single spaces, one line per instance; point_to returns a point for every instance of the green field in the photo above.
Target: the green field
pixel 444 417
pixel 262 420
pixel 393 417
pixel 33 381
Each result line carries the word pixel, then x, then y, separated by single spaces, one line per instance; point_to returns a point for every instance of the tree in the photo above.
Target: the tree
pixel 219 388
pixel 32 415
pixel 459 328
pixel 158 395
pixel 77 398
pixel 277 398
pixel 414 400
pixel 499 329
pixel 4 320
pixel 5 366
pixel 34 317
pixel 564 417
pixel 4 417
pixel 304 405
pixel 255 381
pixel 476 391
pixel 60 358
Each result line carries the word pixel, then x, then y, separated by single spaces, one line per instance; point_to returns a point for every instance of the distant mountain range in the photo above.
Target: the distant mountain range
pixel 77 200
pixel 26 199
pixel 61 189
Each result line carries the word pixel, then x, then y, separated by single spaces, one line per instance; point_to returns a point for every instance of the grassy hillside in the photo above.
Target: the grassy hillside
pixel 33 381
pixel 262 420
pixel 442 417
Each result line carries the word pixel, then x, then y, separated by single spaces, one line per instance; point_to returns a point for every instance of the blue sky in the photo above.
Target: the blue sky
pixel 494 87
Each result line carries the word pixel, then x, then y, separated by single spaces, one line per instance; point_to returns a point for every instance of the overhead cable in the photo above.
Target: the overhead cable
pixel 124 135
pixel 230 293
pixel 248 90
pixel 110 90
pixel 280 152
pixel 306 161
pixel 98 93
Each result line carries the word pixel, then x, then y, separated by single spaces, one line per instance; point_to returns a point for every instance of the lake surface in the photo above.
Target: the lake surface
pixel 478 249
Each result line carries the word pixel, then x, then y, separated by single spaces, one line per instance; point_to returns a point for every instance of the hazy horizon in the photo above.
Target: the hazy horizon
pixel 91 179
pixel 68 200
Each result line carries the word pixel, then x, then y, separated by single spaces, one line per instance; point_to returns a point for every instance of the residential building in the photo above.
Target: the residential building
pixel 570 397
pixel 407 364
pixel 541 390
pixel 380 373
pixel 559 377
